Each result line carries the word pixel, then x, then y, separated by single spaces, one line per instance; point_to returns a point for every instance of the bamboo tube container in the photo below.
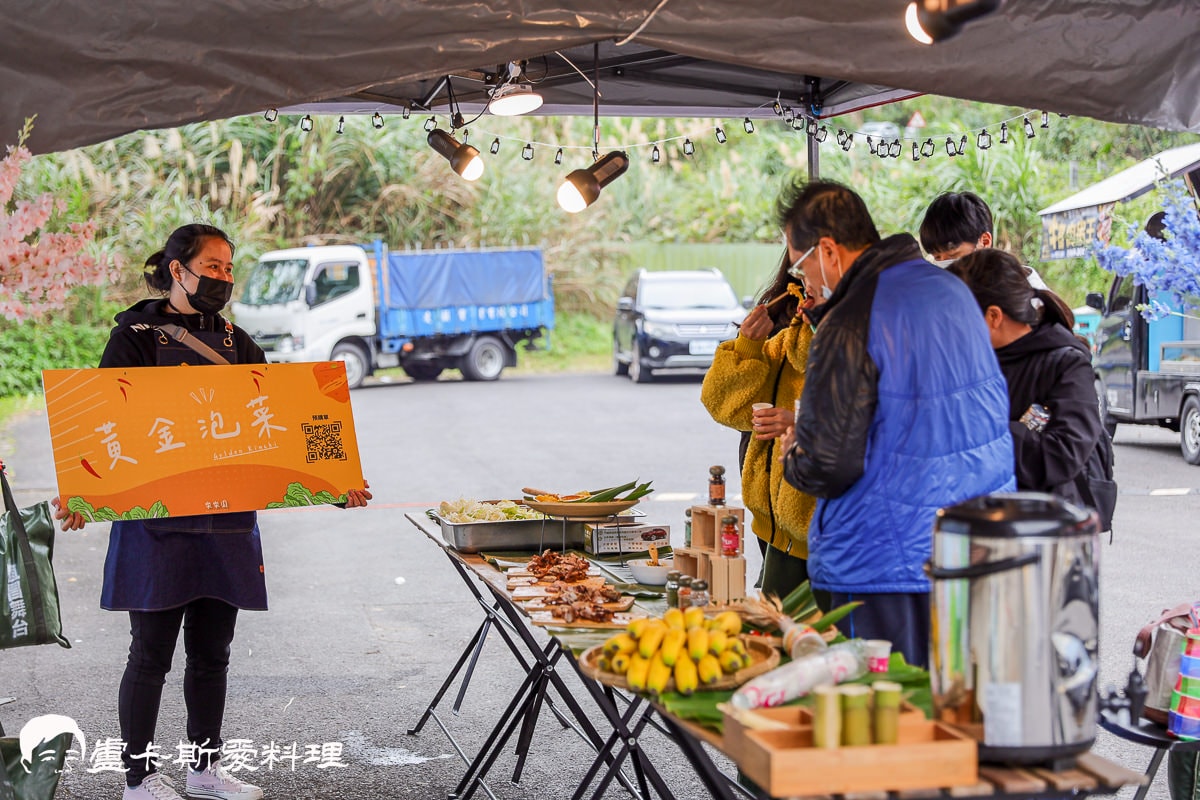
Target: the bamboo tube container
pixel 886 716
pixel 827 717
pixel 856 714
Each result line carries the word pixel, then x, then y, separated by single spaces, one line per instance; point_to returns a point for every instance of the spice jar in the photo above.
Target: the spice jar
pixel 684 594
pixel 700 595
pixel 730 538
pixel 716 486
pixel 672 588
pixel 687 527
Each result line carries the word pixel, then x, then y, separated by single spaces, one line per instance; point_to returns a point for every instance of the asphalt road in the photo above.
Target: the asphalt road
pixel 367 615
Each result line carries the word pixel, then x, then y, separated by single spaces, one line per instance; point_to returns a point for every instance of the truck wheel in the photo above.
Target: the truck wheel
pixel 1189 430
pixel 357 362
pixel 485 361
pixel 1110 424
pixel 638 372
pixel 620 368
pixel 422 372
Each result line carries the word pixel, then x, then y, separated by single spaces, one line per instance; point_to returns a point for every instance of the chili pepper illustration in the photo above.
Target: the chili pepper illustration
pixel 122 388
pixel 260 375
pixel 89 467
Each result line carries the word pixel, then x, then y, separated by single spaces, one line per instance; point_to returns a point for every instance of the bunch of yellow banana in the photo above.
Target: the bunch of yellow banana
pixel 684 645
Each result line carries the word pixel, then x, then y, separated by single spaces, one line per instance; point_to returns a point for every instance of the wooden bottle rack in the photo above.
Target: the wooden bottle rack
pixel 726 575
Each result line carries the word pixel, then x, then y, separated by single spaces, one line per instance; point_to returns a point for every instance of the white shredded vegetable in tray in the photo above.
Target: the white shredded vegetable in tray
pixel 464 510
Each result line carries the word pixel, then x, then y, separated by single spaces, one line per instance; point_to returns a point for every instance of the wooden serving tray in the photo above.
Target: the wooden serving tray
pixel 765 658
pixel 928 754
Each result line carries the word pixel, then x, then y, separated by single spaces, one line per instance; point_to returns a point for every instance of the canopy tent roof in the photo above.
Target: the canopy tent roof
pixel 91 71
pixel 1133 182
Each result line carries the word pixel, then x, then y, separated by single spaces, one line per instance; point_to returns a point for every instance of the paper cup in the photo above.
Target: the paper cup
pixel 761 406
pixel 879 652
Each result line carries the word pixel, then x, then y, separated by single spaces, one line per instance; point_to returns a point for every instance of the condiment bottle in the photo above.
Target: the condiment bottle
pixel 730 538
pixel 687 527
pixel 716 486
pixel 684 595
pixel 700 593
pixel 673 588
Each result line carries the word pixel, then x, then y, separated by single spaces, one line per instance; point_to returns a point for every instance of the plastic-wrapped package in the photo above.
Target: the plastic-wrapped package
pixel 836 664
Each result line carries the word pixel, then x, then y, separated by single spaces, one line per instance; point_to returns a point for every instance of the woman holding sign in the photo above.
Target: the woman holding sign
pixel 192 572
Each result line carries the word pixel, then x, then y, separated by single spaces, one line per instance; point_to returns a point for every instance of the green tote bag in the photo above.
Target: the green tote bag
pixel 29 611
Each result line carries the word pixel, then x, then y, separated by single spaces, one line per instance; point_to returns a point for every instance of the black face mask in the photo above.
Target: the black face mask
pixel 211 294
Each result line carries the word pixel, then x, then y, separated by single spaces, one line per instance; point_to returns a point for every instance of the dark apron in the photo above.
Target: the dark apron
pixel 157 564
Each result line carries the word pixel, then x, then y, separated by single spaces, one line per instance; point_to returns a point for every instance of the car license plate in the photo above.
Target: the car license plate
pixel 702 347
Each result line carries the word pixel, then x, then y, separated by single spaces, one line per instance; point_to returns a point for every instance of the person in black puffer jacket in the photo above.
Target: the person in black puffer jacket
pixel 1053 410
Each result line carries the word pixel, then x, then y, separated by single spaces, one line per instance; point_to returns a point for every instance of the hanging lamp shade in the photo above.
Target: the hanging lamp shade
pixel 513 99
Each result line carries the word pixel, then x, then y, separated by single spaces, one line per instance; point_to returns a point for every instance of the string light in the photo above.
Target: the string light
pixel 406 112
pixel 788 114
pixel 306 124
pixel 962 145
pixel 1045 119
pixel 1029 132
pixel 1003 133
pixel 871 145
pixel 558 156
pixel 430 124
pixel 822 133
pixel 655 155
pixel 916 156
pixel 341 126
pixel 466 134
pixel 689 149
pixel 927 148
pixel 748 125
pixel 377 120
pixel 984 140
pixel 778 109
pixel 495 148
pixel 841 137
pixel 527 152
pixel 882 150
pixel 895 149
pixel 720 134
pixel 951 150
pixel 848 143
pixel 271 114
pixel 811 127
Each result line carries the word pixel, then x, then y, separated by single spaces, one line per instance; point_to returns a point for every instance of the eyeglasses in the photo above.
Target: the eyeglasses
pixel 794 270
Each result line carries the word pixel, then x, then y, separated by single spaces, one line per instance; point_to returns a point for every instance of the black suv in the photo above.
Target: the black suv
pixel 672 319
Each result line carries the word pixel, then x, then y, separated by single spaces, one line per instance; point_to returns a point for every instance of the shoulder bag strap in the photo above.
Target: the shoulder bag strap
pixel 31 574
pixel 181 335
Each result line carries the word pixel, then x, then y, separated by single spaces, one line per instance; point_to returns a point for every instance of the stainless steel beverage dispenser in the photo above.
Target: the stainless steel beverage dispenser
pixel 1016 624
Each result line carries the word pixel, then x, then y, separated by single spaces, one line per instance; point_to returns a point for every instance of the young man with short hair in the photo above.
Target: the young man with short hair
pixel 957 224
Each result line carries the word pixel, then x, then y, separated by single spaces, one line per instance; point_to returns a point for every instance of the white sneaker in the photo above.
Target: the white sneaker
pixel 215 783
pixel 155 786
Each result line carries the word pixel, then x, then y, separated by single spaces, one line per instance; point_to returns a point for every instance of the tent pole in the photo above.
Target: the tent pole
pixel 814 158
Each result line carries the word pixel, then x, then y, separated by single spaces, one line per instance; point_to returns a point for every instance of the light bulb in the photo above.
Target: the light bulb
pixel 430 124
pixel 895 149
pixel 513 99
pixel 495 148
pixel 306 124
pixel 1003 133
pixel 1045 119
pixel 720 134
pixel 464 159
pixel 527 152
pixel 271 114
pixel 688 148
pixel 558 156
pixel 962 145
pixel 927 148
pixel 984 140
pixel 582 187
pixel 822 133
pixel 655 155
pixel 1029 131
pixel 951 150
pixel 377 120
pixel 848 143
pixel 341 126
pixel 406 112
pixel 916 156
pixel 748 125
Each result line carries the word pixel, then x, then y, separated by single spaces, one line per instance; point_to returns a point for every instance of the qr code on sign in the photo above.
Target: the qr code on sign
pixel 323 442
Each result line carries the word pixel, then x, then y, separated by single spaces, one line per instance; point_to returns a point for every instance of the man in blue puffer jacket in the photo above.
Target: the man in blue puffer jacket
pixel 904 411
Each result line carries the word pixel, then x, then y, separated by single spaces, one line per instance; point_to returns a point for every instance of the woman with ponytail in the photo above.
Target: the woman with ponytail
pixel 1059 444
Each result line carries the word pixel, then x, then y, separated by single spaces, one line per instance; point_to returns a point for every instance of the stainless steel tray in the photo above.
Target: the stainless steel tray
pixel 516 534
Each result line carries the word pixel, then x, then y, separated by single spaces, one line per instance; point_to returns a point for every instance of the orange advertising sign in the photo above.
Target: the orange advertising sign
pixel 175 441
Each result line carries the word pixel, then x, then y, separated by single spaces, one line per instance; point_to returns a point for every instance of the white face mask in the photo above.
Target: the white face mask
pixel 826 289
pixel 943 263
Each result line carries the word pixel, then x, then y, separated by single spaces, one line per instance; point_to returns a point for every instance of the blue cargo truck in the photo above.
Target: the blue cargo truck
pixel 1147 370
pixel 423 310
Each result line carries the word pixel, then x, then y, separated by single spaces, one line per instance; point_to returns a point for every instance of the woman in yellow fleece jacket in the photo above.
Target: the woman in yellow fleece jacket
pixel 758 367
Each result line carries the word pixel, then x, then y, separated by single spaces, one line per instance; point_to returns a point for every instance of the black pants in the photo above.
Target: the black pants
pixel 902 619
pixel 207 633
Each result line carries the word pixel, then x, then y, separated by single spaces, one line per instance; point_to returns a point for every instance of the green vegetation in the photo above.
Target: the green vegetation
pixel 270 185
